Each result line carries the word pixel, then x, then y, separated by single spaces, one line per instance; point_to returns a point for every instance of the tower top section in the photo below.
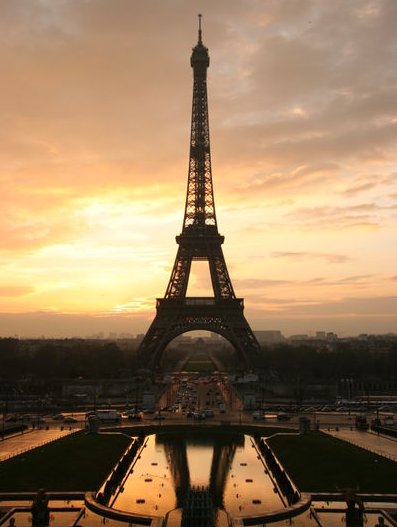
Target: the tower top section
pixel 200 207
pixel 200 59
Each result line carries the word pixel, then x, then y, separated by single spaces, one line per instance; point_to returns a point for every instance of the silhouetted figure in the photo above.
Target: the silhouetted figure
pixel 40 511
pixel 355 509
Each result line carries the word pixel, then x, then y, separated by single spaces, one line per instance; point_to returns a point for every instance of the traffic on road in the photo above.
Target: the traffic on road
pixel 194 399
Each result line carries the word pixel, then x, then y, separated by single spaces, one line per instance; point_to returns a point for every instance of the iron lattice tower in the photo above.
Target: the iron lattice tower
pixel 199 240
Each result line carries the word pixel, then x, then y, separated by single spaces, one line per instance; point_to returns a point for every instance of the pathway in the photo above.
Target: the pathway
pixel 21 442
pixel 380 444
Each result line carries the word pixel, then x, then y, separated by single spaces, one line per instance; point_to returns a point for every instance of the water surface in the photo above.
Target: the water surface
pixel 171 463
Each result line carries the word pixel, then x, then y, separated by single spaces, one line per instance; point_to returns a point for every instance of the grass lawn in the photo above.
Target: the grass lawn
pixel 317 462
pixel 78 462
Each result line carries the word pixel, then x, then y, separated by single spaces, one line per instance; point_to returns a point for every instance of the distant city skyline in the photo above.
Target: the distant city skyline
pixel 46 325
pixel 96 103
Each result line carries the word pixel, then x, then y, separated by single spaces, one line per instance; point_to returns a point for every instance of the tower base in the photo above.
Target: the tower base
pixel 177 316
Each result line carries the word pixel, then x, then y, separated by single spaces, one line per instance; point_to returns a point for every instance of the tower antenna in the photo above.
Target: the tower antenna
pixel 199 31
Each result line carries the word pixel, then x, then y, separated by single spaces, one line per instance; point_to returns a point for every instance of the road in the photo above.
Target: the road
pixel 186 398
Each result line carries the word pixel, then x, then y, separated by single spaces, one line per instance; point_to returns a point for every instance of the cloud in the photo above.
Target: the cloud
pixel 330 258
pixel 358 188
pixel 313 93
pixel 261 286
pixel 255 283
pixel 290 181
pixel 375 306
pixel 15 291
pixel 355 279
pixel 349 216
pixel 343 306
pixel 136 305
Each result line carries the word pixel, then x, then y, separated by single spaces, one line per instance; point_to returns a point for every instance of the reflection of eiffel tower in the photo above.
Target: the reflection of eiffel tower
pixel 199 240
pixel 224 448
pixel 198 509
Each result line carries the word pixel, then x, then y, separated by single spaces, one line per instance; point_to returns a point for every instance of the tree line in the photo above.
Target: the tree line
pixel 90 359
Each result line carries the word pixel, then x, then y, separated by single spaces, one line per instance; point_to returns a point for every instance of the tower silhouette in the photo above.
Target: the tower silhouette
pixel 199 240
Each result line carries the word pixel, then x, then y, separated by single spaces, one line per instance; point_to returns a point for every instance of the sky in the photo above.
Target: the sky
pixel 95 100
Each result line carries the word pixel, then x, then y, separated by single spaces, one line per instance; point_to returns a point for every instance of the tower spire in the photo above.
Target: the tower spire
pixel 199 31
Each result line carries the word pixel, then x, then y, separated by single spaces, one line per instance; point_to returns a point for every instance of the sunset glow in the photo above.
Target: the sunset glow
pixel 96 104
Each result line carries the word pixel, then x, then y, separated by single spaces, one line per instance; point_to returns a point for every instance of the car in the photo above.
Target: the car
pixel 11 419
pixel 38 421
pixel 159 417
pixel 282 416
pixel 70 420
pixel 32 418
pixel 58 417
pixel 135 416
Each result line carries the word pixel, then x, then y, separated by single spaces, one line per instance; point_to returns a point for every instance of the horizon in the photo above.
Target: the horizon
pixel 37 326
pixel 96 102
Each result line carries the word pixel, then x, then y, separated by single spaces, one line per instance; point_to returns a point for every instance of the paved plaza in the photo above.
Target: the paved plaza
pixel 379 444
pixel 21 442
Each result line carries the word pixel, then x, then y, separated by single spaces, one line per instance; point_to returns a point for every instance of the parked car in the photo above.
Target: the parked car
pixel 58 417
pixel 70 420
pixel 11 419
pixel 257 416
pixel 282 416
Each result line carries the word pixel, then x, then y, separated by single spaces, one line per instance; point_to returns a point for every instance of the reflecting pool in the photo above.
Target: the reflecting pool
pixel 169 465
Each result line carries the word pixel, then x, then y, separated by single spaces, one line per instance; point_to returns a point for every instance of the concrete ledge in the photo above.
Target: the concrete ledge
pixel 18 496
pixel 301 506
pixel 104 511
pixel 163 426
pixel 154 521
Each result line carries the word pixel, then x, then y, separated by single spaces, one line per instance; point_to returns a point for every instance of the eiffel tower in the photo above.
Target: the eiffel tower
pixel 199 240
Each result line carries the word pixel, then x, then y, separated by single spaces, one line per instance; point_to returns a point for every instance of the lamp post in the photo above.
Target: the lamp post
pixel 314 418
